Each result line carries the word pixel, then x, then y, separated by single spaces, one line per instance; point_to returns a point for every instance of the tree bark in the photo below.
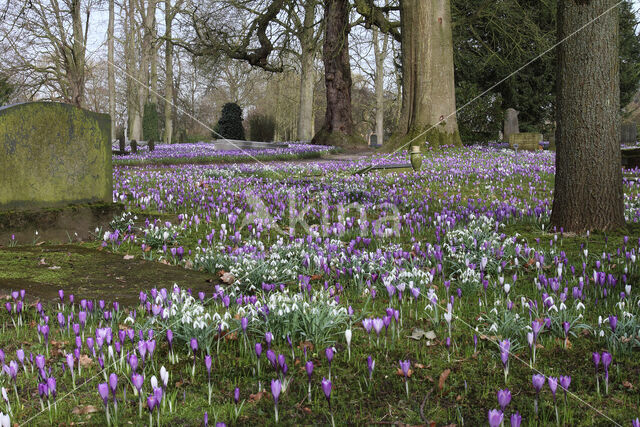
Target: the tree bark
pixel 75 57
pixel 338 125
pixel 588 191
pixel 307 72
pixel 111 70
pixel 428 92
pixel 379 53
pixel 168 65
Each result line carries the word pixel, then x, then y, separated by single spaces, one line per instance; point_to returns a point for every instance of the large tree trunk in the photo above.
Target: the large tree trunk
pixel 588 185
pixel 428 91
pixel 111 70
pixel 307 73
pixel 75 57
pixel 168 79
pixel 135 89
pixel 338 125
pixel 379 53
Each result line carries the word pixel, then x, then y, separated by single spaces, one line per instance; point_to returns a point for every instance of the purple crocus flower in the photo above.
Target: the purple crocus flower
pixel 326 388
pixel 113 384
pixel 236 395
pixel 329 353
pixel 151 402
pixel 405 365
pixel 371 364
pixel 103 390
pixel 309 368
pixel 207 364
pixel 258 349
pixel 538 382
pixel 268 337
pixel 276 387
pixel 504 397
pixel 613 322
pixel 553 385
pixel 137 380
pixel 516 419
pixel 495 417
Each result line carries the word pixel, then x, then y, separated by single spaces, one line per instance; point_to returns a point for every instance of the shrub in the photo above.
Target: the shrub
pixel 262 127
pixel 150 123
pixel 230 124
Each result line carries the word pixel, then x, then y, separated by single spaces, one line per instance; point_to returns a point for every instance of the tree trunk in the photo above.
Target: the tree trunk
pixel 168 79
pixel 307 73
pixel 76 56
pixel 111 70
pixel 588 191
pixel 135 86
pixel 153 92
pixel 379 54
pixel 338 124
pixel 428 92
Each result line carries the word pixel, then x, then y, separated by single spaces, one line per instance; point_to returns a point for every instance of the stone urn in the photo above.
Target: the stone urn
pixel 416 157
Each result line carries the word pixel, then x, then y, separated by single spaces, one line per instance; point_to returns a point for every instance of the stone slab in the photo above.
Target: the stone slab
pixel 52 155
pixel 232 145
pixel 526 141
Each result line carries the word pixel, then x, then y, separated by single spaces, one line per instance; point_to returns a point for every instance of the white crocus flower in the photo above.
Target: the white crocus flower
pixel 5 420
pixel 154 382
pixel 164 376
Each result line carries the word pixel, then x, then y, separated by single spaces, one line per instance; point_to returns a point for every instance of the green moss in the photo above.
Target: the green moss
pixel 53 154
pixel 435 136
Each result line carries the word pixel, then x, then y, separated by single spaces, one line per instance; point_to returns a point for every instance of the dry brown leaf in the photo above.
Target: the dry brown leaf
pixel 227 278
pixel 627 384
pixel 306 410
pixel 421 366
pixel 85 360
pixel 256 397
pixel 443 377
pixel 401 374
pixel 84 410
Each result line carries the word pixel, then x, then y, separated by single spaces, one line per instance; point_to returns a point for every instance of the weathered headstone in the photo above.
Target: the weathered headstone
pixel 52 155
pixel 510 123
pixel 628 133
pixel 526 141
pixel 373 140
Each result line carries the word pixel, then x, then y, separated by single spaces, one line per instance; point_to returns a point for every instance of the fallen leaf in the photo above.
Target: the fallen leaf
pixel 227 278
pixel 306 410
pixel 128 257
pixel 401 374
pixel 55 267
pixel 43 262
pixel 417 334
pixel 85 361
pixel 421 366
pixel 256 397
pixel 84 410
pixel 443 377
pixel 316 277
pixel 627 384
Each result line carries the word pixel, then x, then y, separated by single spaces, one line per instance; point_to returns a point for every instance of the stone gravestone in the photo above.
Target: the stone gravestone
pixel 53 155
pixel 510 123
pixel 628 133
pixel 526 141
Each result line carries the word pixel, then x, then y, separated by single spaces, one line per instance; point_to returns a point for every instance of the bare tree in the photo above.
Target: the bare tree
pixel 111 68
pixel 47 40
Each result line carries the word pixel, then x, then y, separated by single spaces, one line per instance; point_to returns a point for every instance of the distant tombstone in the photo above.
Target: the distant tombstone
pixel 526 141
pixel 121 144
pixel 628 133
pixel 373 140
pixel 52 155
pixel 134 146
pixel 510 123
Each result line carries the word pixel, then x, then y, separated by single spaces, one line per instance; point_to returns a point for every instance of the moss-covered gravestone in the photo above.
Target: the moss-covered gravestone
pixel 53 155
